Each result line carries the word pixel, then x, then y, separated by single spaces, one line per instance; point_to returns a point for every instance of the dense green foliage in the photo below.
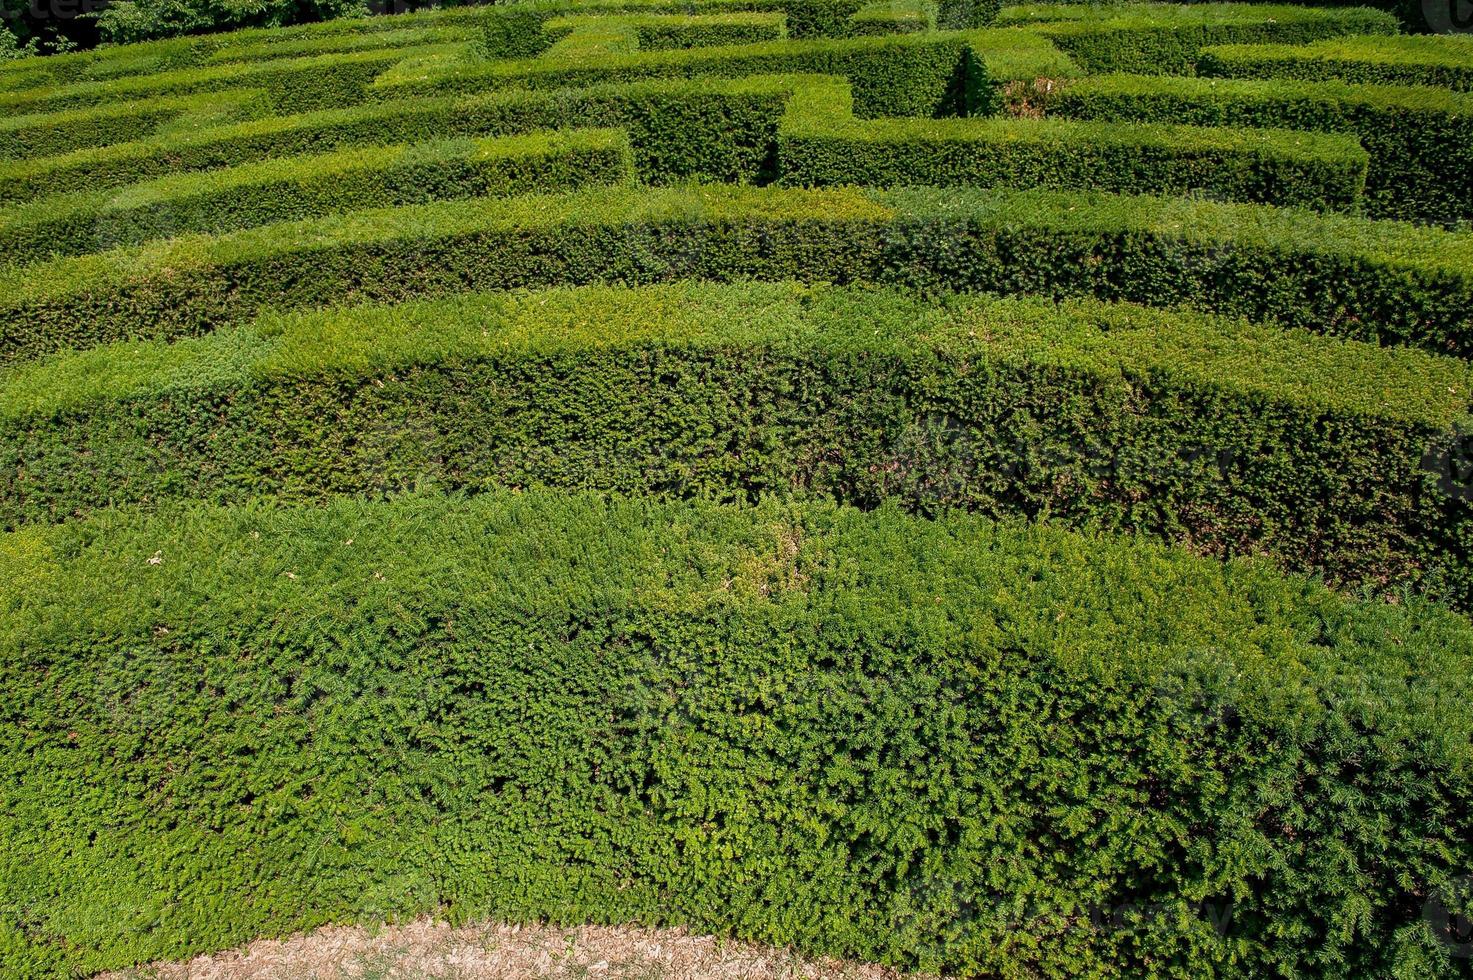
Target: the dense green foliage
pixel 821 143
pixel 1419 140
pixel 715 129
pixel 1366 280
pixel 1122 418
pixel 290 188
pixel 291 84
pixel 122 21
pixel 1002 750
pixel 315 340
pixel 1433 61
pixel 1150 38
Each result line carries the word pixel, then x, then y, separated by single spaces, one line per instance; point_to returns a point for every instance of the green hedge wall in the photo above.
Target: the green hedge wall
pixel 251 44
pixel 1438 61
pixel 715 129
pixel 52 133
pixel 291 188
pixel 1237 439
pixel 902 75
pixel 1161 38
pixel 822 144
pixel 518 30
pixel 1419 140
pixel 292 84
pixel 1376 281
pixel 996 750
pixel 663 31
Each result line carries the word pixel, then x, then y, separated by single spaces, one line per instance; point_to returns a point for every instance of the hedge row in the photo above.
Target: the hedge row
pixel 1161 38
pixel 1237 439
pixel 518 30
pixel 456 35
pixel 52 133
pixel 893 17
pixel 993 750
pixel 169 54
pixel 663 31
pixel 715 129
pixel 292 84
pixel 1420 140
pixel 1409 60
pixel 296 187
pixel 903 75
pixel 822 144
pixel 1378 281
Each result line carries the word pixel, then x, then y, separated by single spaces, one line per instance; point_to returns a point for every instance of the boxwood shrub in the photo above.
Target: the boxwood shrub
pixel 292 84
pixel 656 32
pixel 821 143
pixel 901 75
pixel 1377 281
pixel 1153 38
pixel 295 187
pixel 1408 60
pixel 1419 139
pixel 1237 439
pixel 987 749
pixel 51 133
pixel 714 129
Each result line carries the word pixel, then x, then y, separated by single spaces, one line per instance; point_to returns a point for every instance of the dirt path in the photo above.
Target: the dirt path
pixel 428 950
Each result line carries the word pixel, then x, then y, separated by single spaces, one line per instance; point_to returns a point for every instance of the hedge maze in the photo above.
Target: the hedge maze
pixel 981 489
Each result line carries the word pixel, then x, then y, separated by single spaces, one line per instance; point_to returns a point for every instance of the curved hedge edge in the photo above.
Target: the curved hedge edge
pixel 898 720
pixel 1167 39
pixel 193 51
pixel 1236 439
pixel 1418 139
pixel 1376 281
pixel 820 143
pixel 54 133
pixel 299 187
pixel 294 84
pixel 1429 61
pixel 713 129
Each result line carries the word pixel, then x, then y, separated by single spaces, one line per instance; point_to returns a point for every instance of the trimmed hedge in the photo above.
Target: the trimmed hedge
pixel 292 84
pixel 517 30
pixel 290 188
pixel 51 133
pixel 664 31
pixel 715 129
pixel 1376 281
pixel 1420 141
pixel 992 750
pixel 169 54
pixel 902 75
pixel 1168 39
pixel 1237 439
pixel 268 49
pixel 822 144
pixel 1440 61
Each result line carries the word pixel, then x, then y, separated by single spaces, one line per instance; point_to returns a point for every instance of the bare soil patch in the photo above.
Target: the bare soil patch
pixel 430 950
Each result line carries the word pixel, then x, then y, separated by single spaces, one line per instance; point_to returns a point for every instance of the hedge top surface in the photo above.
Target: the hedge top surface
pixel 1423 249
pixel 1398 98
pixel 1392 242
pixel 1100 605
pixel 1087 17
pixel 706 203
pixel 820 109
pixel 1433 50
pixel 1108 340
pixel 551 69
pixel 190 79
pixel 303 168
